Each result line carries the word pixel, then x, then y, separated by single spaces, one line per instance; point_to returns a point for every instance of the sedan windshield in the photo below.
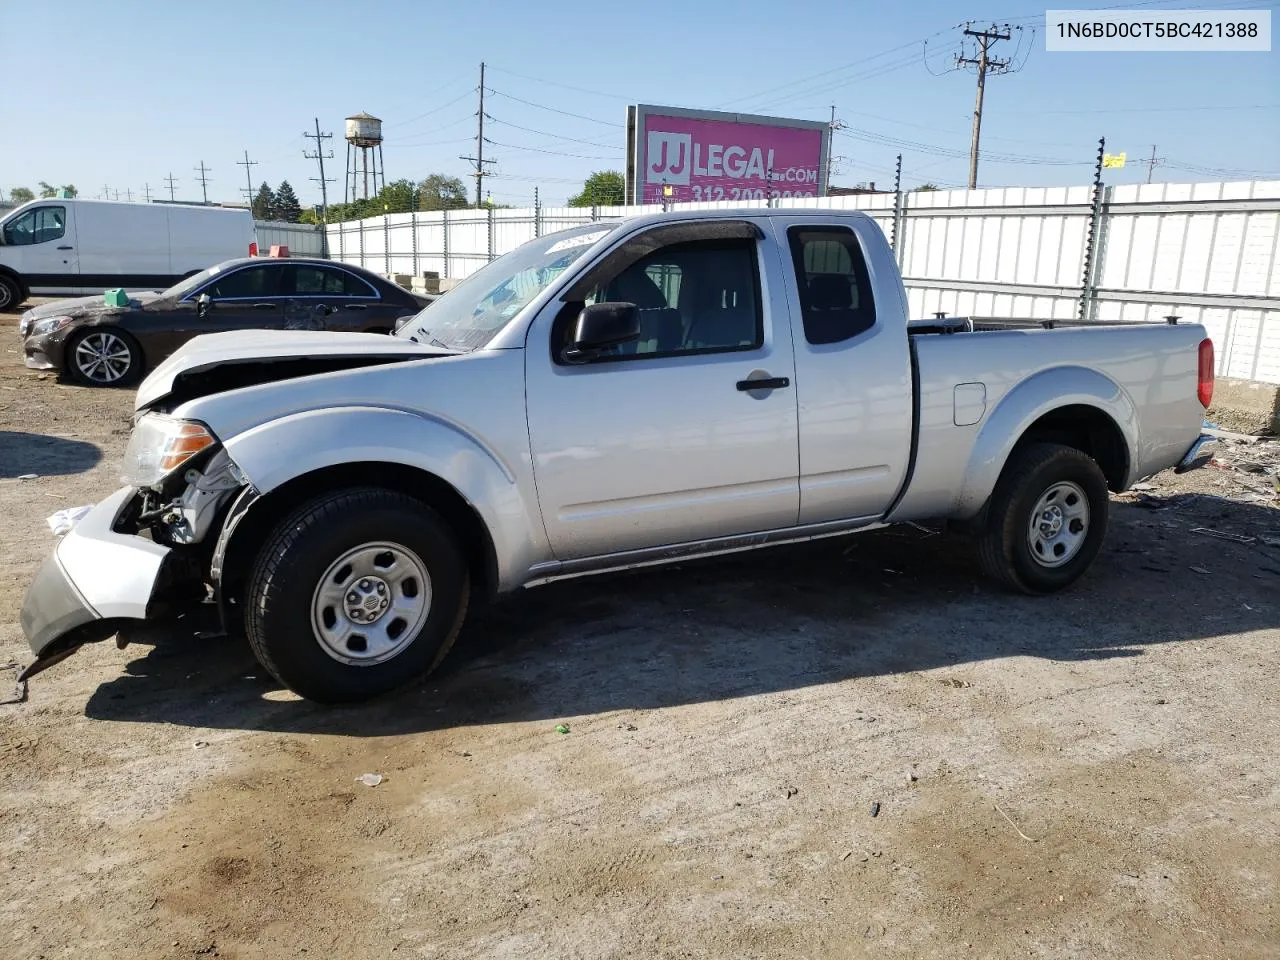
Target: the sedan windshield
pixel 472 313
pixel 183 287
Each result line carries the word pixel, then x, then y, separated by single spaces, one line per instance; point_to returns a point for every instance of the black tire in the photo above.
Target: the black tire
pixel 1005 544
pixel 104 374
pixel 282 592
pixel 10 293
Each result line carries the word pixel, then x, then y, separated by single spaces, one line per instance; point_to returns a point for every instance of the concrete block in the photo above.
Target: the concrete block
pixel 1246 406
pixel 402 279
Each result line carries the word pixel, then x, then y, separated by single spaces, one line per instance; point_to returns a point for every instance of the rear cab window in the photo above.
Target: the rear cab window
pixel 836 303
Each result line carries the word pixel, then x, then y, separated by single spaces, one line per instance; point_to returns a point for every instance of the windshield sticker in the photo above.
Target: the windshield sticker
pixel 582 240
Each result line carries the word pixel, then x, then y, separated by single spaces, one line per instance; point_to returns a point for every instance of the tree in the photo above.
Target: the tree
pixel 287 207
pixel 70 190
pixel 602 188
pixel 440 192
pixel 47 190
pixel 21 195
pixel 398 196
pixel 925 188
pixel 264 203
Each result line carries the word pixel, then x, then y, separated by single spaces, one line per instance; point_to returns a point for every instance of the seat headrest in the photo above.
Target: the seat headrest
pixel 830 291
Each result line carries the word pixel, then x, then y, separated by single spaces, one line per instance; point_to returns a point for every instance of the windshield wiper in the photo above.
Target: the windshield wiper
pixel 430 339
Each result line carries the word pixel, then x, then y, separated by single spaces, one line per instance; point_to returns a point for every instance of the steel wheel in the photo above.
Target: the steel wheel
pixel 371 603
pixel 1059 524
pixel 103 357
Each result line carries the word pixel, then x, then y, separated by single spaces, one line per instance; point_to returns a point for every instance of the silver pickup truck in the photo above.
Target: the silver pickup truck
pixel 618 394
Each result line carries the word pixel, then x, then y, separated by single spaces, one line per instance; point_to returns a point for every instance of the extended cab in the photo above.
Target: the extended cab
pixel 618 394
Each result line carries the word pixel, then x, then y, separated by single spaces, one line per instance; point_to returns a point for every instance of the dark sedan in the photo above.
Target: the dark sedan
pixel 103 344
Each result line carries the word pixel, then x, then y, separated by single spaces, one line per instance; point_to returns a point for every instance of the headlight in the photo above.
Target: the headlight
pixel 160 445
pixel 48 325
pixel 24 325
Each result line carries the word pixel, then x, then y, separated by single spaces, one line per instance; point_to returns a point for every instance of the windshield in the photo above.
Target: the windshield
pixel 473 312
pixel 183 287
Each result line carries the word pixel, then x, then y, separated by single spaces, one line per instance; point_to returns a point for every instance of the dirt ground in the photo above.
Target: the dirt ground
pixel 855 748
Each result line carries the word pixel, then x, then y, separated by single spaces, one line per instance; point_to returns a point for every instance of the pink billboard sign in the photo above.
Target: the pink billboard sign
pixel 682 155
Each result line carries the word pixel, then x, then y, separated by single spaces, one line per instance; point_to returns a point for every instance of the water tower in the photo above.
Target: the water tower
pixel 364 144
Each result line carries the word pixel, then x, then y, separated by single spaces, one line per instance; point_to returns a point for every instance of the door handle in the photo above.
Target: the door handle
pixel 66 248
pixel 764 383
pixel 357 306
pixel 264 306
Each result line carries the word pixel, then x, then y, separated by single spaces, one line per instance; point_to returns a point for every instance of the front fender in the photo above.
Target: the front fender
pixel 1026 403
pixel 281 450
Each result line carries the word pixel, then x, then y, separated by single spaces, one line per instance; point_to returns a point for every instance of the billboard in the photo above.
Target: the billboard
pixel 681 155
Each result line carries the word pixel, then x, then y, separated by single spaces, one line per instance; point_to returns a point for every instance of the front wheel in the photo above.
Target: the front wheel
pixel 104 357
pixel 10 293
pixel 355 594
pixel 1047 519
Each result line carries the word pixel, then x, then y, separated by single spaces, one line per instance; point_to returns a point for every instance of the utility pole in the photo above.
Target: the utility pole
pixel 832 134
pixel 146 191
pixel 984 62
pixel 204 180
pixel 1153 162
pixel 169 180
pixel 106 192
pixel 128 194
pixel 321 156
pixel 248 177
pixel 479 159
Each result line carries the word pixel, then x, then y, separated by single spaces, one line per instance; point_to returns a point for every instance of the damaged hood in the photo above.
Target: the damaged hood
pixel 84 306
pixel 226 361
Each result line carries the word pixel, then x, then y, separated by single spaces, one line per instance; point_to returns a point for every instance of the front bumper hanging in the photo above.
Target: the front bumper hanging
pixel 95 579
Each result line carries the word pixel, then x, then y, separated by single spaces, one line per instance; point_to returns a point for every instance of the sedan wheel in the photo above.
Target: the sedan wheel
pixel 104 358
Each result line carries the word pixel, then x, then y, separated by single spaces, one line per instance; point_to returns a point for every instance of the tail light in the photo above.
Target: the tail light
pixel 253 248
pixel 1204 384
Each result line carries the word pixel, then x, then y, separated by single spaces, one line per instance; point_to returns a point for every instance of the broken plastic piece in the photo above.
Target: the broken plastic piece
pixel 62 521
pixel 369 779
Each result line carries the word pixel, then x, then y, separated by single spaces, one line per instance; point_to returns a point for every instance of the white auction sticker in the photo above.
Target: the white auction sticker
pixel 582 240
pixel 1077 31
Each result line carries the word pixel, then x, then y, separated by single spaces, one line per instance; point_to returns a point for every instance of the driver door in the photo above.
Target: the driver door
pixel 657 442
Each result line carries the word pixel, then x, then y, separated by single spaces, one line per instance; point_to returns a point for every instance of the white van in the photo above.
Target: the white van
pixel 59 246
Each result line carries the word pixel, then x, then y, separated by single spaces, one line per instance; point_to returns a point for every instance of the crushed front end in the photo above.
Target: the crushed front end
pixel 140 556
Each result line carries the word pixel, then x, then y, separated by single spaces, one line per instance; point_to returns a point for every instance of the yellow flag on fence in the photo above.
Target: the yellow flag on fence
pixel 1113 160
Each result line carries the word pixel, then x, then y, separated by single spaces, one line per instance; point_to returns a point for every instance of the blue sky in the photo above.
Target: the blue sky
pixel 122 94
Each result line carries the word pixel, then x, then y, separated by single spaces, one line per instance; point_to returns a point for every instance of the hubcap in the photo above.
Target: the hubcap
pixel 1059 524
pixel 5 295
pixel 371 603
pixel 103 357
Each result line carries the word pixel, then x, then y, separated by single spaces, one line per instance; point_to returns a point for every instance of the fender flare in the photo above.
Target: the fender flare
pixel 1038 395
pixel 279 451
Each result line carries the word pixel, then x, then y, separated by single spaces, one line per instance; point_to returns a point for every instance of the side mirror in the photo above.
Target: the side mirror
pixel 600 326
pixel 204 303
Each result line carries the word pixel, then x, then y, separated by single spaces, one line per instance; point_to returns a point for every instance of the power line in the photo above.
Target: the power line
pixel 554 153
pixel 589 143
pixel 204 180
pixel 248 177
pixel 433 111
pixel 984 62
pixel 320 157
pixel 567 86
pixel 566 113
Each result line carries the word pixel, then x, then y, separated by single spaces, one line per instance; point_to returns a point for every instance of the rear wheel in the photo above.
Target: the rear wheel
pixel 1047 519
pixel 104 357
pixel 355 594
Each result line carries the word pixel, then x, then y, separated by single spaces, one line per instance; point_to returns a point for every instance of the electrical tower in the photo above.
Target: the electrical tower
pixel 248 177
pixel 204 180
pixel 321 157
pixel 170 181
pixel 985 63
pixel 479 159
